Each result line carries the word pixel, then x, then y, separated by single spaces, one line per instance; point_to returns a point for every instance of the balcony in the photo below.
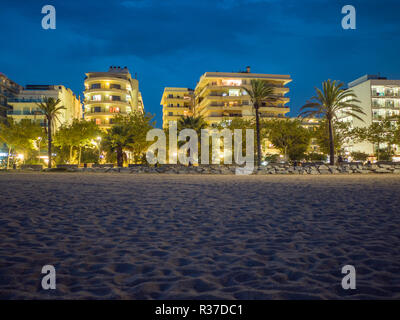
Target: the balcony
pixel 37 100
pixel 24 113
pixel 103 112
pixel 105 89
pixel 108 101
pixel 385 94
pixel 233 115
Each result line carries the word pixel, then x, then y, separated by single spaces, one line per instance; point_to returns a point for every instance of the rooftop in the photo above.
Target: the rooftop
pixel 365 78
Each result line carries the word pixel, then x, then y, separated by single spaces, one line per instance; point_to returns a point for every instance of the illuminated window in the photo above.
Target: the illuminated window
pixel 114 109
pixel 234 92
pixel 96 97
pixel 98 121
pixel 231 82
pixel 378 91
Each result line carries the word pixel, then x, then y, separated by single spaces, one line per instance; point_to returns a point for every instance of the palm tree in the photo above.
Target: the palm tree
pixel 118 138
pixel 197 123
pixel 329 103
pixel 51 109
pixel 260 91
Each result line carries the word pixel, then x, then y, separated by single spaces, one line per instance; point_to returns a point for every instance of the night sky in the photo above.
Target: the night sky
pixel 173 42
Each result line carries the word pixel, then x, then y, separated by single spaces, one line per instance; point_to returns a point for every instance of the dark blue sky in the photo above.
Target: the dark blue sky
pixel 173 42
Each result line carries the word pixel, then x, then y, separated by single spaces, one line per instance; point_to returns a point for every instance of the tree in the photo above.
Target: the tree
pixel 328 103
pixel 66 138
pixel 51 110
pixel 242 124
pixel 140 124
pixel 117 138
pixel 378 133
pixel 128 133
pixel 197 123
pixel 19 136
pixel 260 91
pixel 341 134
pixel 86 133
pixel 80 134
pixel 289 137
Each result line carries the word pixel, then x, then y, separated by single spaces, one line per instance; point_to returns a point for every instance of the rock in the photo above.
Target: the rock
pixel 361 171
pixel 381 170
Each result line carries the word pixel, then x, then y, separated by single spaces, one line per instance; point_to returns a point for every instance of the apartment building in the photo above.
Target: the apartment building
pixel 24 105
pixel 110 93
pixel 176 102
pixel 380 98
pixel 8 90
pixel 222 96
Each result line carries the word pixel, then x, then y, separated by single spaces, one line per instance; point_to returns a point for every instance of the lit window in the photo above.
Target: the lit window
pixel 232 82
pixel 98 121
pixel 114 109
pixel 234 92
pixel 96 97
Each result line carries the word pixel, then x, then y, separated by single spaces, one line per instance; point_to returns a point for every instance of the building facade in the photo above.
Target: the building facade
pixel 176 102
pixel 110 93
pixel 380 98
pixel 24 105
pixel 222 96
pixel 8 90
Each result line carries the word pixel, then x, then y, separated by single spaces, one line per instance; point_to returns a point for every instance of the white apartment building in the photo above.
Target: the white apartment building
pixel 380 98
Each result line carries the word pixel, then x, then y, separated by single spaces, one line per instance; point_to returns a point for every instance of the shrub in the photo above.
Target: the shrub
pixel 314 156
pixel 56 170
pixel 359 156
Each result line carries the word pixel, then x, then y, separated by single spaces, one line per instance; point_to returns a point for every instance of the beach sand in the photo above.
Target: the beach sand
pixel 124 236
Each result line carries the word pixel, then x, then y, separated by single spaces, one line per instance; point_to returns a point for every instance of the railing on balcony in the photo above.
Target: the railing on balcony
pixel 26 100
pixel 390 94
pixel 25 112
pixel 105 100
pixel 236 115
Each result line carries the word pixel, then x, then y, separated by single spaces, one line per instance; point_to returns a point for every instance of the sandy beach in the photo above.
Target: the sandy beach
pixel 126 236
